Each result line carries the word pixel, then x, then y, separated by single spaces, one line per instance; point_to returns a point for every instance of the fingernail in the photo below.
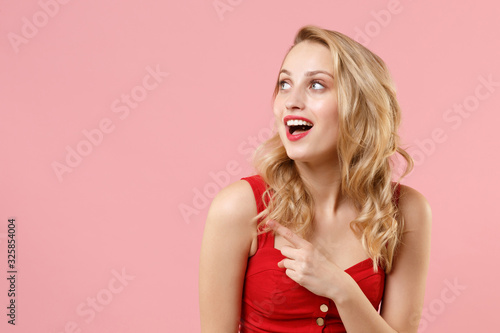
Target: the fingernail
pixel 270 223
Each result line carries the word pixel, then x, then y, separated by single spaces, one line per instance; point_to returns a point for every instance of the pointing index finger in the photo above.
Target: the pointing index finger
pixel 288 234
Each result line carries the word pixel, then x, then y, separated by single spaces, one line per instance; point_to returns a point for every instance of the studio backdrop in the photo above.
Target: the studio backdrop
pixel 121 120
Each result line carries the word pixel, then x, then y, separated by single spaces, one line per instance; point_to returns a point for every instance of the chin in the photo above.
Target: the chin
pixel 294 153
pixel 298 156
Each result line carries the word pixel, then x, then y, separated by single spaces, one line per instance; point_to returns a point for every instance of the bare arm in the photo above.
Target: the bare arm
pixel 405 285
pixel 225 247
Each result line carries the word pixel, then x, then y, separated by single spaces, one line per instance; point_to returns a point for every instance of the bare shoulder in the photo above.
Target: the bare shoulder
pixel 227 239
pixel 405 285
pixel 415 209
pixel 235 200
pixel 230 217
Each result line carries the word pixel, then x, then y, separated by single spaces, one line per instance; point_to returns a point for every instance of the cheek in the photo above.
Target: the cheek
pixel 329 111
pixel 278 114
pixel 277 107
pixel 330 119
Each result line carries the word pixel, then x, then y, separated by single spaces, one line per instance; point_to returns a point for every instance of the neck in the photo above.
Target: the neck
pixel 323 180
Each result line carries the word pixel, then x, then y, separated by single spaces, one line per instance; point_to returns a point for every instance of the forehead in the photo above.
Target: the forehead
pixel 308 56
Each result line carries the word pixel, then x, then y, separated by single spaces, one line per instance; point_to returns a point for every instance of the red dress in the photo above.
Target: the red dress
pixel 272 302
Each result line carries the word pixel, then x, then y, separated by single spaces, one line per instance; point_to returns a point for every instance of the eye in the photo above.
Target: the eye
pixel 317 83
pixel 282 85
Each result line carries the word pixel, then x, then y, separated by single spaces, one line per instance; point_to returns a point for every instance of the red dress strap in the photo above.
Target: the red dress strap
pixel 259 186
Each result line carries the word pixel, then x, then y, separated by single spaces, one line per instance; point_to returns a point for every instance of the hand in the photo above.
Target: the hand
pixel 306 265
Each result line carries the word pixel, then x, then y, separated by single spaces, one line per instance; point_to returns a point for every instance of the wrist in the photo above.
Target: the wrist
pixel 341 291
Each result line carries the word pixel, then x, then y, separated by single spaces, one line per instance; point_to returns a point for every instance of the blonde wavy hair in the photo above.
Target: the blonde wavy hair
pixel 369 117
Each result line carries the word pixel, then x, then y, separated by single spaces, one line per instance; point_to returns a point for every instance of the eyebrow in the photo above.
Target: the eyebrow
pixel 310 73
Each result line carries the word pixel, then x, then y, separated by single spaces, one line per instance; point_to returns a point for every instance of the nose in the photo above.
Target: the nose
pixel 295 100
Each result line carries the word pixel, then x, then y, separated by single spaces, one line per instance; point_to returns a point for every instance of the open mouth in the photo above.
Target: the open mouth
pixel 298 126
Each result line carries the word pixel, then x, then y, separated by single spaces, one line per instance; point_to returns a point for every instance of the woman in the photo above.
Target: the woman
pixel 321 235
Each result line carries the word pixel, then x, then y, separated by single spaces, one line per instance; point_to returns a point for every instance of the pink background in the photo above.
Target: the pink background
pixel 119 209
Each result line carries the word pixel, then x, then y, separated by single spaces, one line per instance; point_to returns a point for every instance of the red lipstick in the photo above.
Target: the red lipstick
pixel 298 136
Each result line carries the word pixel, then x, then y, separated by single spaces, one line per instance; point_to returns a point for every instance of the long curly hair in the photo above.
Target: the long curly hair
pixel 369 118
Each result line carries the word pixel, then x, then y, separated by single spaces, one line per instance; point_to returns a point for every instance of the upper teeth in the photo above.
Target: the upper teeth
pixel 296 122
